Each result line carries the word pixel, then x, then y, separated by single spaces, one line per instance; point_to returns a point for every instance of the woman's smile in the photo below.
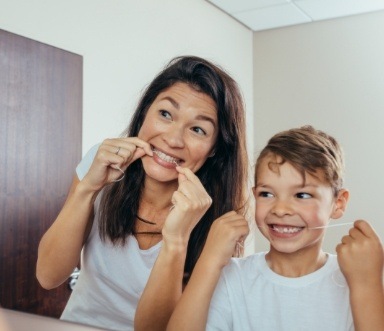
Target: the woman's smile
pixel 165 159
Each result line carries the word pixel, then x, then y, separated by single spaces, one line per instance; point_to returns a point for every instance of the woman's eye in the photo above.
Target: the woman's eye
pixel 303 195
pixel 165 114
pixel 199 130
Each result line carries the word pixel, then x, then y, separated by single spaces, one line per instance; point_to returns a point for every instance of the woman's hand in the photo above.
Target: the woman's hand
pixel 360 255
pixel 190 202
pixel 226 234
pixel 113 157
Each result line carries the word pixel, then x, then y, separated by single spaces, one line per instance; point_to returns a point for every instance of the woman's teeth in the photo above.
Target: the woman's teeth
pixel 166 157
pixel 286 229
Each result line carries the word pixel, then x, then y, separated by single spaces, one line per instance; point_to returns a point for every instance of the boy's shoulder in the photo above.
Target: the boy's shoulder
pixel 255 261
pixel 256 264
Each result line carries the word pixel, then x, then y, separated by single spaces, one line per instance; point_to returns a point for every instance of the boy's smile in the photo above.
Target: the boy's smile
pixel 288 204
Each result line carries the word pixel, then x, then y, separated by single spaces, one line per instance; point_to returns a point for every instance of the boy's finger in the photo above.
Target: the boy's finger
pixel 365 228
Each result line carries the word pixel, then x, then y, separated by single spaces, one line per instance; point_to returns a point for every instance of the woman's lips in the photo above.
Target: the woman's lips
pixel 166 158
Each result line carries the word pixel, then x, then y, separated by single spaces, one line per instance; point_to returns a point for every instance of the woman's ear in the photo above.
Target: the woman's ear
pixel 340 204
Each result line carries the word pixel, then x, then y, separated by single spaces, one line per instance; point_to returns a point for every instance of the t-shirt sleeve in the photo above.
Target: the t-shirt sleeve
pixel 84 165
pixel 219 315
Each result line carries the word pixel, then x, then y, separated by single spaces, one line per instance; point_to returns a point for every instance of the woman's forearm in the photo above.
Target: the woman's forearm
pixel 60 247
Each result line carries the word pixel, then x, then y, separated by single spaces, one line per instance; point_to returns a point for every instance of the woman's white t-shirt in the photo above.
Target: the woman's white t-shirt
pixel 112 278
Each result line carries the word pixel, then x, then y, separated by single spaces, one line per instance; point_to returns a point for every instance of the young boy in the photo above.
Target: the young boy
pixel 296 285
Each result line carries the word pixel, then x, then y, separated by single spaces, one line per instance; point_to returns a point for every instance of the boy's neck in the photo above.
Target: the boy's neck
pixel 296 264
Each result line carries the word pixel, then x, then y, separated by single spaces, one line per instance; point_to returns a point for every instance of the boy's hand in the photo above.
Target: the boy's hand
pixel 360 255
pixel 225 234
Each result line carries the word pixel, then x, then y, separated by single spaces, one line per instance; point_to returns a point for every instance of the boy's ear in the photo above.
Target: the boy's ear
pixel 341 203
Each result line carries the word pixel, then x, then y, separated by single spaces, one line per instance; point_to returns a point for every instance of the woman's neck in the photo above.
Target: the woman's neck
pixel 156 197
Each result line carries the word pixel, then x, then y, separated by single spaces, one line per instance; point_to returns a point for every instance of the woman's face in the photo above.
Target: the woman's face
pixel 181 126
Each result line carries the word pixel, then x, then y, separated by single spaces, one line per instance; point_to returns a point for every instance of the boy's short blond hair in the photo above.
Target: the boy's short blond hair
pixel 308 150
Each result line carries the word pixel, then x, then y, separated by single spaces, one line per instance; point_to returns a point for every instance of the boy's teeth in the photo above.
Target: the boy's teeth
pixel 166 157
pixel 289 229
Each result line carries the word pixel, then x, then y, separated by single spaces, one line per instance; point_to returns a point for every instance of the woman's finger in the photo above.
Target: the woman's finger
pixel 189 175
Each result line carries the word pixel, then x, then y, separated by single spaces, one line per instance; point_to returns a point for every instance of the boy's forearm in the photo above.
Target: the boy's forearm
pixel 191 312
pixel 163 289
pixel 367 303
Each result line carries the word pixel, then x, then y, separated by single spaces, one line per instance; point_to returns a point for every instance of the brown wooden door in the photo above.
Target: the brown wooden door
pixel 40 145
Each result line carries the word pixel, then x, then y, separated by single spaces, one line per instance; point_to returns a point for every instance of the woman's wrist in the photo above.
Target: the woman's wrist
pixel 175 245
pixel 83 190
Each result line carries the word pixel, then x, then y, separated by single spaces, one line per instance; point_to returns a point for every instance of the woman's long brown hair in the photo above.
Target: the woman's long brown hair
pixel 223 175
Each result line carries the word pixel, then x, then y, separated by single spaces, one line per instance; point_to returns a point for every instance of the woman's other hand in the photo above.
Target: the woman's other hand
pixel 190 202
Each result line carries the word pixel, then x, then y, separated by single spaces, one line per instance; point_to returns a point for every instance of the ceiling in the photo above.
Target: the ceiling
pixel 261 15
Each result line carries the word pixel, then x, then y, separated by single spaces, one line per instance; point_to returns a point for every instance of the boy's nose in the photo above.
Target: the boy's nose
pixel 282 208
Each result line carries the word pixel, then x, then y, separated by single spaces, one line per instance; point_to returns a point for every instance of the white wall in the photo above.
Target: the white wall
pixel 329 74
pixel 124 43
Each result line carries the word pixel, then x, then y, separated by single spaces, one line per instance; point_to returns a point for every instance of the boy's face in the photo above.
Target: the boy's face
pixel 287 207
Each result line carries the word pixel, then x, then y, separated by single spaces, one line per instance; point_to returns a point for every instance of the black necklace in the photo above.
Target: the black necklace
pixel 144 220
pixel 146 232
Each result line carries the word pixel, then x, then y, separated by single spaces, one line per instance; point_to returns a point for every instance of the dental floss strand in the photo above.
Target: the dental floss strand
pixel 119 179
pixel 319 227
pixel 330 226
pixel 239 249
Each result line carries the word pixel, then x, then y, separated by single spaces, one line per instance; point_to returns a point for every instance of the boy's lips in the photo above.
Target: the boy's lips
pixel 285 229
pixel 165 157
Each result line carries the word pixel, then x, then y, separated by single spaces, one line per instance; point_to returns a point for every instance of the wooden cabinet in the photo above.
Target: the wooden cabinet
pixel 40 145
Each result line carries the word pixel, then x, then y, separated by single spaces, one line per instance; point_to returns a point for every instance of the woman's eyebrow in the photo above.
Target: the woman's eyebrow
pixel 173 102
pixel 199 117
pixel 207 118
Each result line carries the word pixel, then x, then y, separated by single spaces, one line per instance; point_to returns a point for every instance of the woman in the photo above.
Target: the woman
pixel 146 203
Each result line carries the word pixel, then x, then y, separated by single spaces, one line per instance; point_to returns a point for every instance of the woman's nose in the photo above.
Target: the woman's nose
pixel 174 137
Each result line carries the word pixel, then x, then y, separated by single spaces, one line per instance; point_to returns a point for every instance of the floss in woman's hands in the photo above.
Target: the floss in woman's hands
pixel 122 177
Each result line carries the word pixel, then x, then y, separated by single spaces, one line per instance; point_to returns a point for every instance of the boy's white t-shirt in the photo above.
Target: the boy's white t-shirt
pixel 112 278
pixel 250 296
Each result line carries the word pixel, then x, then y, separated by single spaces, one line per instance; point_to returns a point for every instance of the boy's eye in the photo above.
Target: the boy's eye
pixel 303 195
pixel 165 114
pixel 198 130
pixel 265 194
